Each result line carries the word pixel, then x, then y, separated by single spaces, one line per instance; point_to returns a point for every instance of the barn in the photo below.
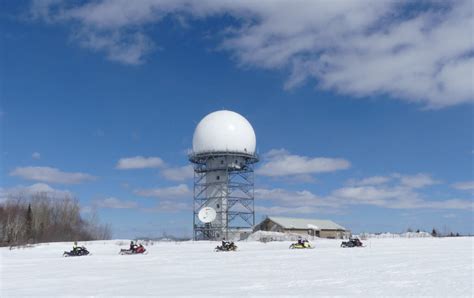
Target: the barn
pixel 305 227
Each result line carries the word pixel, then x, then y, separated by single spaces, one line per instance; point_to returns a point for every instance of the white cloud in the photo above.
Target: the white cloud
pixel 364 48
pixel 374 180
pixel 31 190
pixel 50 175
pixel 114 203
pixel 382 191
pixel 360 48
pixel 394 197
pixel 282 163
pixel 293 202
pixel 449 215
pixel 127 48
pixel 450 204
pixel 277 210
pixel 88 210
pixel 403 192
pixel 170 206
pixel 417 181
pixel 179 191
pixel 179 173
pixel 139 162
pixel 293 198
pixel 36 155
pixel 170 173
pixel 371 194
pixel 465 185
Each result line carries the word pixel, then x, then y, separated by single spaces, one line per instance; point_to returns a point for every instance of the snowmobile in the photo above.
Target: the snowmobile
pixel 226 246
pixel 355 242
pixel 137 249
pixel 80 251
pixel 301 245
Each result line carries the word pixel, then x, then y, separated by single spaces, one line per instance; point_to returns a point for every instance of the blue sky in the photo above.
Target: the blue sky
pixel 362 110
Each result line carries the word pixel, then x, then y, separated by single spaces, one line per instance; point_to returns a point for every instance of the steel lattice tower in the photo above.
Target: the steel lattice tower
pixel 225 182
pixel 223 157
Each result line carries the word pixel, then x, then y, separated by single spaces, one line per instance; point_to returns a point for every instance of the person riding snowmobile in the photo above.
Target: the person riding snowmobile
pixel 225 244
pixel 303 243
pixel 76 250
pixel 133 246
pixel 356 241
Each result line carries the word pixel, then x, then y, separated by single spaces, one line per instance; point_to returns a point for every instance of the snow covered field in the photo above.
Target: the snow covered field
pixel 386 267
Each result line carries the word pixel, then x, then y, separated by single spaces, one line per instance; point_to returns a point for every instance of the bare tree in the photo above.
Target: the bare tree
pixel 42 218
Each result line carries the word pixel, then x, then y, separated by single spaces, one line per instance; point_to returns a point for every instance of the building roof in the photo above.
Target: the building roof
pixel 306 223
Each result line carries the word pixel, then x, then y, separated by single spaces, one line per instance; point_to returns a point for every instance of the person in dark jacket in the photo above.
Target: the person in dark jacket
pixel 133 246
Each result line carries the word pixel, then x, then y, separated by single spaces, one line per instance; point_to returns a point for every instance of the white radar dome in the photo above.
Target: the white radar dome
pixel 224 131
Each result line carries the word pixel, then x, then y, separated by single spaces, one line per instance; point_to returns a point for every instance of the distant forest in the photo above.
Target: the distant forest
pixel 28 219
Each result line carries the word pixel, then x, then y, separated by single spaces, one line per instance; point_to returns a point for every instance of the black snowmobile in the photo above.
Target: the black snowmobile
pixel 80 251
pixel 354 242
pixel 226 246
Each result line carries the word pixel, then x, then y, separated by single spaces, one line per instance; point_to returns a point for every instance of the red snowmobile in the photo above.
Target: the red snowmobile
pixel 137 249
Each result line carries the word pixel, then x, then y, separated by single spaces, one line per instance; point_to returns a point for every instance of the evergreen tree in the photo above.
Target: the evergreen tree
pixel 434 233
pixel 29 224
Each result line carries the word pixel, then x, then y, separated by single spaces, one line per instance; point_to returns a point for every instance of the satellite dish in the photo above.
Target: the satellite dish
pixel 207 214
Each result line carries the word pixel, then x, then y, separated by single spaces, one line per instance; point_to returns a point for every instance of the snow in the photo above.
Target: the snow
pixel 441 267
pixel 420 234
pixel 266 236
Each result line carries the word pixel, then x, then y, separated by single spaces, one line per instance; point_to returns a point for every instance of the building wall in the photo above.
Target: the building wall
pixel 303 233
pixel 268 225
pixel 332 234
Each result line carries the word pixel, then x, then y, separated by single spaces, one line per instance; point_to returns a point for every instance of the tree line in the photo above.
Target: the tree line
pixel 436 233
pixel 40 217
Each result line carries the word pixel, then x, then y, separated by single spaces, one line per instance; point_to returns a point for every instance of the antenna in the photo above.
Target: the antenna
pixel 207 214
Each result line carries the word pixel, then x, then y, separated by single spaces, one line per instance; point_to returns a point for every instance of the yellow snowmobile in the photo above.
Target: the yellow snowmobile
pixel 301 245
